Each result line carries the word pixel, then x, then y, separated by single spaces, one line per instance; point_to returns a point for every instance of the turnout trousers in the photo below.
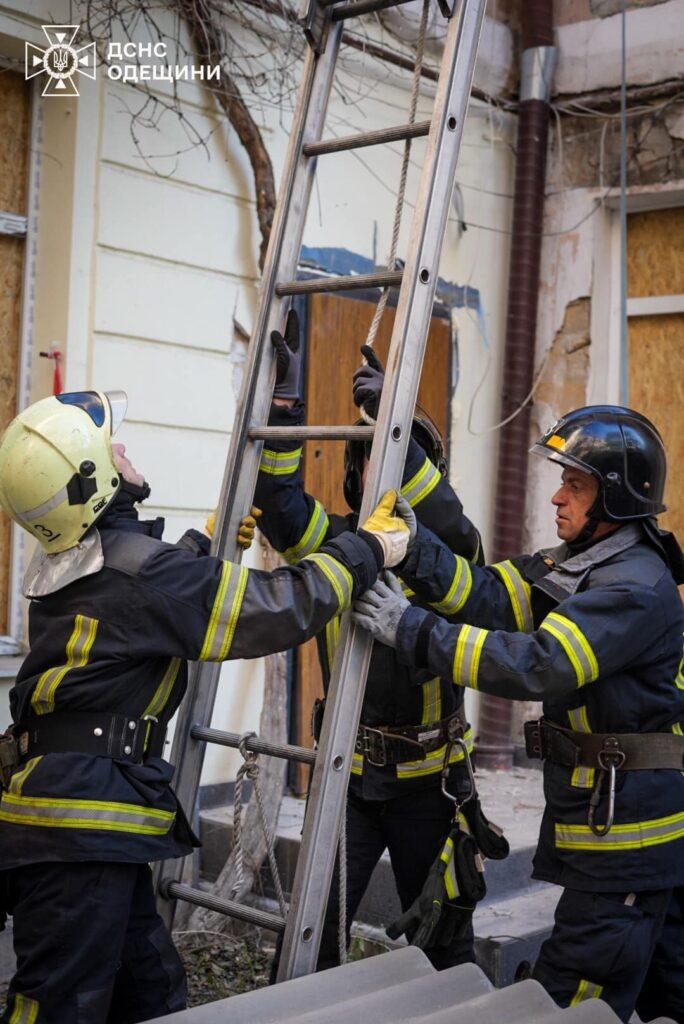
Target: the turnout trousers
pixel 624 948
pixel 90 946
pixel 412 828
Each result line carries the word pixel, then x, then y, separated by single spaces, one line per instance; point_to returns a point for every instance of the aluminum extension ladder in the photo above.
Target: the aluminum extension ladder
pixel 323 22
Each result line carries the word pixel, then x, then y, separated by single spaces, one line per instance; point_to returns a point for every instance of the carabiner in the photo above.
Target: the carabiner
pixel 445 773
pixel 610 759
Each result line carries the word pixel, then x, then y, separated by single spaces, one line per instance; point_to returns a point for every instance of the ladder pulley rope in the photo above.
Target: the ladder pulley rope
pixel 323 25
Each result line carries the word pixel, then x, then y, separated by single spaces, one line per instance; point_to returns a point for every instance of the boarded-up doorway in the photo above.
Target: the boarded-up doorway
pixel 337 327
pixel 14 130
pixel 655 254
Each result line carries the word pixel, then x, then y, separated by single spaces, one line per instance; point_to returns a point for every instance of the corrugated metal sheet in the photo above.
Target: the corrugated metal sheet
pixel 400 987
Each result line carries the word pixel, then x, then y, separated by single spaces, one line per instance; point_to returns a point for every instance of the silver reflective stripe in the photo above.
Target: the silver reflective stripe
pixel 420 485
pixel 575 645
pixel 457 594
pixel 90 814
pixel 280 463
pixel 225 613
pixel 467 655
pixel 586 990
pixel 519 594
pixel 633 836
pixel 581 777
pixel 25 1010
pixel 312 538
pixel 338 576
pixel 35 513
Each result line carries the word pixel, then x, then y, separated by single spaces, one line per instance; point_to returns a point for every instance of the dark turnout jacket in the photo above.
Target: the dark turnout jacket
pixel 297 524
pixel 596 636
pixel 118 640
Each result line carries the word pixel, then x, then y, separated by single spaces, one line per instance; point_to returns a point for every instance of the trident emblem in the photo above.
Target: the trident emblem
pixel 61 61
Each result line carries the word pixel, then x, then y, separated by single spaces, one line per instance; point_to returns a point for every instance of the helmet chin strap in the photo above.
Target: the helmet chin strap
pixel 139 492
pixel 595 515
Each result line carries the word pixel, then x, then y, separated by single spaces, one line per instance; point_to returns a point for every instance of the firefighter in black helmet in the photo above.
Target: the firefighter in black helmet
pixel 593 628
pixel 394 799
pixel 115 614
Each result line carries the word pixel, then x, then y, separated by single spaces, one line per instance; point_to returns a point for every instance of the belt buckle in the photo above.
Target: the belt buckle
pixel 368 746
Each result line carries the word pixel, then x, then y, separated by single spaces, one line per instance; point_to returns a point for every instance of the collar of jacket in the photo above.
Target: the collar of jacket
pixel 569 572
pixel 122 514
pixel 48 573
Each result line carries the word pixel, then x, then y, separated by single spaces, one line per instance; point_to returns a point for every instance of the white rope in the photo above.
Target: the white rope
pixel 391 259
pixel 250 769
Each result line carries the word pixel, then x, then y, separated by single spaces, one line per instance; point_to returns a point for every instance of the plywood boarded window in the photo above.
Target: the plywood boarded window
pixel 655 266
pixel 14 131
pixel 337 327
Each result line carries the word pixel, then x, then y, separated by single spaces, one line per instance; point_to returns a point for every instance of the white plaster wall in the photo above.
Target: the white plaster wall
pixel 164 255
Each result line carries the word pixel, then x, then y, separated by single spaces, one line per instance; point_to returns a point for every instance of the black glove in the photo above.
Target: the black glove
pixel 288 359
pixel 367 383
pixel 490 839
pixel 455 883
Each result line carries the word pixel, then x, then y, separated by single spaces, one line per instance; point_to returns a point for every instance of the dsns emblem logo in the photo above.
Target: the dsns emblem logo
pixel 61 61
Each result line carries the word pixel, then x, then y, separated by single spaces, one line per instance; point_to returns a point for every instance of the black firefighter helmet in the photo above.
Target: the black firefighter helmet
pixel 423 430
pixel 622 449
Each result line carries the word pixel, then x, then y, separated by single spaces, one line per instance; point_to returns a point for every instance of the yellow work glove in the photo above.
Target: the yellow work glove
pixel 248 525
pixel 393 524
pixel 245 531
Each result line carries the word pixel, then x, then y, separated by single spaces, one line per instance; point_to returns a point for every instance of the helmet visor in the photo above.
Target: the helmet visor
pixel 118 403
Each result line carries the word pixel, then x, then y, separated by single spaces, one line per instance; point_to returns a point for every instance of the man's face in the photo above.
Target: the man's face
pixel 573 499
pixel 125 466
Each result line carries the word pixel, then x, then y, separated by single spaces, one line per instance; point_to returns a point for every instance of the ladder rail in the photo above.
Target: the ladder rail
pixel 242 464
pixel 316 859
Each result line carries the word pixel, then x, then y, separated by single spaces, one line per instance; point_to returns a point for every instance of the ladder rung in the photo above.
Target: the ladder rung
pixel 231 908
pixel 394 134
pixel 352 10
pixel 232 739
pixel 384 279
pixel 342 433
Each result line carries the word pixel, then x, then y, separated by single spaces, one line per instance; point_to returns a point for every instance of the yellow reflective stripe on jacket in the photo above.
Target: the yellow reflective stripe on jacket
pixel 25 1010
pixel 78 649
pixel 163 691
pixel 225 613
pixel 52 812
pixel 20 777
pixel 338 576
pixel 450 880
pixel 432 701
pixel 357 764
pixel 519 593
pixel 332 636
pixel 467 655
pixel 634 835
pixel 586 990
pixel 677 728
pixel 679 678
pixel 457 594
pixel 579 721
pixel 434 762
pixel 279 463
pixel 575 644
pixel 420 485
pixel 313 536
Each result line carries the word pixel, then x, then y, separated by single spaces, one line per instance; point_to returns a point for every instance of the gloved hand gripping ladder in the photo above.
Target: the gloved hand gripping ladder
pixel 323 22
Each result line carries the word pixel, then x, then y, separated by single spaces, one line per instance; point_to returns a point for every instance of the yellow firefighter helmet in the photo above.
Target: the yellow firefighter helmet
pixel 57 471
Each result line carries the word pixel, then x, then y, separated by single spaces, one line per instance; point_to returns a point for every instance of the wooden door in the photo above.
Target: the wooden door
pixel 655 266
pixel 337 327
pixel 14 130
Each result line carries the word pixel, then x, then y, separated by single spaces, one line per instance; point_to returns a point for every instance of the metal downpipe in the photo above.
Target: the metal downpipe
pixel 495 746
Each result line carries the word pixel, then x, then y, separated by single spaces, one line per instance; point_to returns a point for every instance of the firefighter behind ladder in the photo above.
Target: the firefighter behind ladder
pixel 414 740
pixel 115 614
pixel 594 629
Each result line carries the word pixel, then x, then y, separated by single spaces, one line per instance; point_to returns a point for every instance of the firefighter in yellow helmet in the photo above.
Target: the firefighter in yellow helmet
pixel 115 614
